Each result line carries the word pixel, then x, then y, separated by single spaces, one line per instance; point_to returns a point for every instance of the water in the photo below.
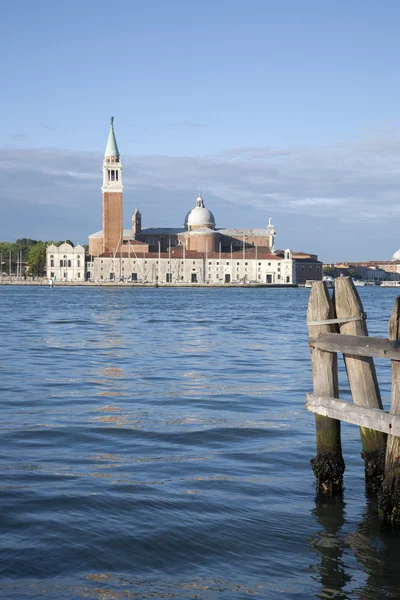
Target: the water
pixel 154 444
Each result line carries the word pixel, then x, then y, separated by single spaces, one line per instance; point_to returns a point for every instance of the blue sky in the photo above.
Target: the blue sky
pixel 287 109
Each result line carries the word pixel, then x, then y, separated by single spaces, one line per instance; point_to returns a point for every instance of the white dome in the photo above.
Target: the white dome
pixel 396 255
pixel 200 216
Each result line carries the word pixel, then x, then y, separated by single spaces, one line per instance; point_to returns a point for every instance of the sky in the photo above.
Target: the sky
pixel 287 109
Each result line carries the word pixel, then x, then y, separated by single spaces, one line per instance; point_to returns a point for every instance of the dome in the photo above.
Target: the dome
pixel 396 255
pixel 199 216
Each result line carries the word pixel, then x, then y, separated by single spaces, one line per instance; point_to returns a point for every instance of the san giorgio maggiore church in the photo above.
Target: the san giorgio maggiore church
pixel 198 252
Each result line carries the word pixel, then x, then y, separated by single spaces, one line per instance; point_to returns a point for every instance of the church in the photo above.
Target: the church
pixel 197 252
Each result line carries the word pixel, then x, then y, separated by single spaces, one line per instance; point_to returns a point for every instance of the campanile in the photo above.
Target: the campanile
pixel 112 189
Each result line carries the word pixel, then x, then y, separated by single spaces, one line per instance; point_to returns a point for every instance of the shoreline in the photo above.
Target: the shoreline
pixel 121 284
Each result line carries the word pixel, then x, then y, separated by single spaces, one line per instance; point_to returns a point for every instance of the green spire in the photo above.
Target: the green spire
pixel 112 148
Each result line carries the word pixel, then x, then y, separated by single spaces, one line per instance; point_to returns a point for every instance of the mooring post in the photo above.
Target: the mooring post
pixel 389 497
pixel 363 381
pixel 328 465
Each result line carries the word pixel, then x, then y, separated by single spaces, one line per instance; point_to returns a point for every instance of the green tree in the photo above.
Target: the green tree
pixel 37 259
pixel 328 270
pixel 352 273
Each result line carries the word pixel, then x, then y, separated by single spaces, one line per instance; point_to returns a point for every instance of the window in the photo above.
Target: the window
pixel 217 263
pixel 310 268
pixel 238 263
pixel 51 274
pixel 246 264
pixel 51 255
pixel 52 263
pixel 279 269
pixel 69 263
pixel 65 276
pixel 61 263
pixel 227 263
pixel 101 276
pixel 79 263
pixel 279 276
pixel 237 276
pixel 79 275
pixel 259 277
pixel 116 175
pixel 209 263
pixel 259 264
pixel 78 256
pixel 269 264
pixel 194 262
pixel 168 277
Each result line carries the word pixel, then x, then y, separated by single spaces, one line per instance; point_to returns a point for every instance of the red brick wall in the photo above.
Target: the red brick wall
pixel 112 221
pixel 308 270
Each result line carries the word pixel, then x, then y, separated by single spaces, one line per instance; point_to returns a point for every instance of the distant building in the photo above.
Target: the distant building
pixel 373 271
pixel 197 252
pixel 65 262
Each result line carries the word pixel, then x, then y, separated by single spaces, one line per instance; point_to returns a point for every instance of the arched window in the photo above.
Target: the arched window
pixel 61 263
pixel 69 263
pixel 52 263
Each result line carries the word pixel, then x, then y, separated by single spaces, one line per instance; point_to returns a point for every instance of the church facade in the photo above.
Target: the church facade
pixel 197 252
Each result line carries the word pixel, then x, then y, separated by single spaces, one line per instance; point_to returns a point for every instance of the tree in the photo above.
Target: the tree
pixel 352 273
pixel 37 259
pixel 329 270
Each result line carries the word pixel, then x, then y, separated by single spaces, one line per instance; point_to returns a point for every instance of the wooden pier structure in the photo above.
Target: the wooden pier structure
pixel 338 325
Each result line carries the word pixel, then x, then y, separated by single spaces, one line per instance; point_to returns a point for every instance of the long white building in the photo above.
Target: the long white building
pixel 178 266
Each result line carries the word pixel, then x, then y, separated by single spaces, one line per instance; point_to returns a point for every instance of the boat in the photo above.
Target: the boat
pixel 330 282
pixel 358 283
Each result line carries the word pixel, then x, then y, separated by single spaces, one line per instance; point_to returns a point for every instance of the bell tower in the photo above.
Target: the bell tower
pixel 112 189
pixel 136 223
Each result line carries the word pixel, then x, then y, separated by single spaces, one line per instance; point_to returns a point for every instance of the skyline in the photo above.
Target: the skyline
pixel 269 109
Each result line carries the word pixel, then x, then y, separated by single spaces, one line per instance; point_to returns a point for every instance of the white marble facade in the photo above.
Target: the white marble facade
pixel 65 262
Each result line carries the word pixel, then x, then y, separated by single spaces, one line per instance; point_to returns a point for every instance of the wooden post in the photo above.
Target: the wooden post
pixel 363 382
pixel 328 466
pixel 389 497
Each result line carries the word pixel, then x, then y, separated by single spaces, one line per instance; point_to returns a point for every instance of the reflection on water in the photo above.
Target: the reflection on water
pixel 154 444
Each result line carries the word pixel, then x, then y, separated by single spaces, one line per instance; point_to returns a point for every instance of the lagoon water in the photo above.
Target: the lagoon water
pixel 154 444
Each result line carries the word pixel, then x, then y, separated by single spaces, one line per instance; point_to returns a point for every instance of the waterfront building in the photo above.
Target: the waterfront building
pixel 65 262
pixel 196 252
pixel 374 271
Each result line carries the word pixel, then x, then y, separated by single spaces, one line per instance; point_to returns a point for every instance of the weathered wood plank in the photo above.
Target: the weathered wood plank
pixel 328 465
pixel 372 418
pixel 357 345
pixel 363 382
pixel 389 498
